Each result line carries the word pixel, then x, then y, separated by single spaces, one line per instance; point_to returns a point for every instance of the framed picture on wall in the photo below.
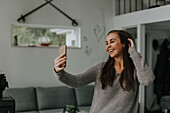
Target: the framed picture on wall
pixel 31 35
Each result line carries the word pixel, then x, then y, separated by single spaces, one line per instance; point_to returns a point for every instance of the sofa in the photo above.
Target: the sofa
pixel 50 99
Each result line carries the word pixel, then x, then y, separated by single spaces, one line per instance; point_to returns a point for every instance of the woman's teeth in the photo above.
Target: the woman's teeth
pixel 111 50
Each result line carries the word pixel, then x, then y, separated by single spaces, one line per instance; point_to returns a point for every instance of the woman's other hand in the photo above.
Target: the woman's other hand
pixel 60 63
pixel 131 43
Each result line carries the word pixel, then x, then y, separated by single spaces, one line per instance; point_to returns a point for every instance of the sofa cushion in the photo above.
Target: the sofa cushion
pixel 84 95
pixel 51 111
pixel 25 98
pixel 84 108
pixel 55 97
pixel 28 112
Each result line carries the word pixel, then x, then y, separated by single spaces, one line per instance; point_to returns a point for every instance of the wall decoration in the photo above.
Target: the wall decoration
pixel 74 23
pixel 99 28
pixel 85 39
pixel 32 35
pixel 88 50
pixel 98 31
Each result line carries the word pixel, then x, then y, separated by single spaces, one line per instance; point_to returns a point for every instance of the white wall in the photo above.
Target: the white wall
pixel 34 66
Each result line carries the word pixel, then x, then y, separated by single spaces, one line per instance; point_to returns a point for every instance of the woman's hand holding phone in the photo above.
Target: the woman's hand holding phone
pixel 60 62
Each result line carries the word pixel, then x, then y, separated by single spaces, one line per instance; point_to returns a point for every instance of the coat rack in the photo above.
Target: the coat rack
pixel 74 23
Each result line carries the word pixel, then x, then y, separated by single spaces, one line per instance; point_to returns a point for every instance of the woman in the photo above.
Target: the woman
pixel 116 80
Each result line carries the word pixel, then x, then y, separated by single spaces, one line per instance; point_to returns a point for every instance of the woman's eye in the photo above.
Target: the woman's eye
pixel 112 41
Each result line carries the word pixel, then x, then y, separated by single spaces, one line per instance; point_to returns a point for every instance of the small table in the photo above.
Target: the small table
pixel 165 103
pixel 7 105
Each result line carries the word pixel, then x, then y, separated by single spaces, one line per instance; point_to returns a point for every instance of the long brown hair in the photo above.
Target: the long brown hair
pixel 108 72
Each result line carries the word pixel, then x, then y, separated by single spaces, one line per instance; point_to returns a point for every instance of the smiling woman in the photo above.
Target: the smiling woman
pixel 28 35
pixel 117 80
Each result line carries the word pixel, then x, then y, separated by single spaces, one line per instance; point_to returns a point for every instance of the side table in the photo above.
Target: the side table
pixel 165 103
pixel 7 105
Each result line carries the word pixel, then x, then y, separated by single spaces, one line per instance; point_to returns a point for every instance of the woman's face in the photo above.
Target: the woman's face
pixel 113 45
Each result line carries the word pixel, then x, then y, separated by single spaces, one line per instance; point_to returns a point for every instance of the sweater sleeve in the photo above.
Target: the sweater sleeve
pixel 78 80
pixel 144 74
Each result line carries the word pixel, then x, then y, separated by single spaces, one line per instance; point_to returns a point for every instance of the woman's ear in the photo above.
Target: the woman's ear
pixel 129 45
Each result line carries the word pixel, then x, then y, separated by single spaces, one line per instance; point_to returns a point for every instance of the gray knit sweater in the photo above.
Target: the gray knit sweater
pixel 113 99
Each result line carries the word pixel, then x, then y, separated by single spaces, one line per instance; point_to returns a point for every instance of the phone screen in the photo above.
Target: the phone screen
pixel 62 50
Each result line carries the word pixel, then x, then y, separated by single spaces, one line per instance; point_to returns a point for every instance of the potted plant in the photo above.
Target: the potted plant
pixel 70 109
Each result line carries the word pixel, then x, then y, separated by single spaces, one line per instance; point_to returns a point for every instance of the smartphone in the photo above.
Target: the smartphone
pixel 62 50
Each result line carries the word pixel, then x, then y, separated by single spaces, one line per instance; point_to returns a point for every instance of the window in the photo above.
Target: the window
pixel 29 35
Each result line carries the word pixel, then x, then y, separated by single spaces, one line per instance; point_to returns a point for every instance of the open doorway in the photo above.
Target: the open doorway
pixel 148 39
pixel 158 58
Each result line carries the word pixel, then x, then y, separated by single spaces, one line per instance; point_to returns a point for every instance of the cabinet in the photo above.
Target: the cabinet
pixel 7 105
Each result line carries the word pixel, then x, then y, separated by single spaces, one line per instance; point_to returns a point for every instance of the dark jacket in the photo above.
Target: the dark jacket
pixel 162 71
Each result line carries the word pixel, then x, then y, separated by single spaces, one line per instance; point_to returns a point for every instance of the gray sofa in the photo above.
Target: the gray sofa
pixel 50 99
